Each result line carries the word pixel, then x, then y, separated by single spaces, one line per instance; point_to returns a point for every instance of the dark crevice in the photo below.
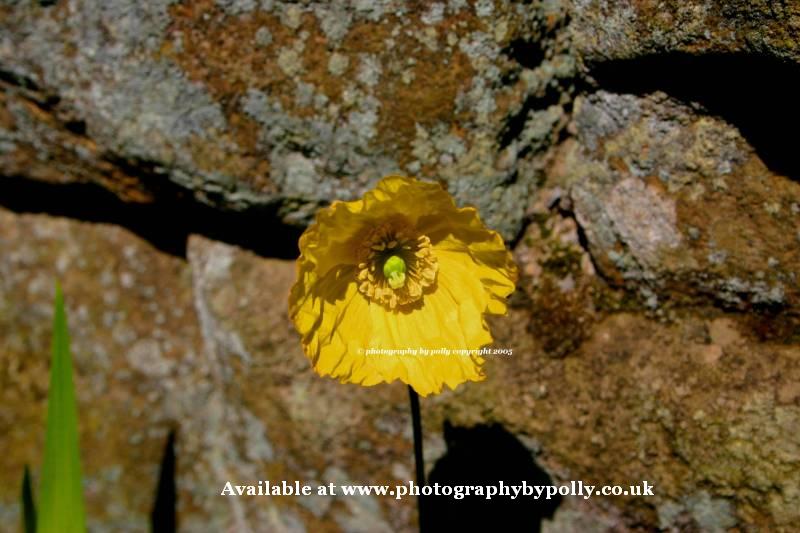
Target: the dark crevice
pixel 163 518
pixel 486 455
pixel 523 228
pixel 166 223
pixel 583 240
pixel 563 133
pixel 78 127
pixel 18 80
pixel 527 53
pixel 755 93
pixel 515 124
pixel 510 76
pixel 775 324
pixel 29 89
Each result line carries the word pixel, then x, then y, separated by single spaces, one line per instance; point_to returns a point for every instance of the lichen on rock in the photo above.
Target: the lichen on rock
pixel 633 154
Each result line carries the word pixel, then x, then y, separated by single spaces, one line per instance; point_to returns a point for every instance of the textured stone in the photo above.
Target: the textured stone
pixel 702 407
pixel 625 29
pixel 676 204
pixel 631 151
pixel 642 399
pixel 204 348
pixel 120 91
pixel 273 418
pixel 133 337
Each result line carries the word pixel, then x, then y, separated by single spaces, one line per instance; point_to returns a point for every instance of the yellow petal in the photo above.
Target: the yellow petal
pixel 449 318
pixel 338 324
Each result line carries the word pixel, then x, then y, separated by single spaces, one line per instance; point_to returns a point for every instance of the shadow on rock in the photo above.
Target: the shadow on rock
pixel 486 455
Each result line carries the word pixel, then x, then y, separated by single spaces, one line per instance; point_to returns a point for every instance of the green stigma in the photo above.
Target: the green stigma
pixel 395 271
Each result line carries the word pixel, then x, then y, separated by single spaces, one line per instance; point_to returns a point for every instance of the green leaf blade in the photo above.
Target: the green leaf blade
pixel 61 507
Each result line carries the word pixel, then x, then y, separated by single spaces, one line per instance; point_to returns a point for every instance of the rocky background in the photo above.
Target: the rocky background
pixel 161 158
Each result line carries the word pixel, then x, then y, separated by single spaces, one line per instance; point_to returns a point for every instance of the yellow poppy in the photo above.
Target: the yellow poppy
pixel 398 274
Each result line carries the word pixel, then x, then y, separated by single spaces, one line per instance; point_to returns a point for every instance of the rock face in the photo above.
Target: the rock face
pixel 203 348
pixel 643 173
pixel 319 101
pixel 132 336
pixel 630 153
pixel 628 28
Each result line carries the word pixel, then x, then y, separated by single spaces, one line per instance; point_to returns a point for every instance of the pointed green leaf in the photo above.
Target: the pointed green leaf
pixel 61 505
pixel 28 507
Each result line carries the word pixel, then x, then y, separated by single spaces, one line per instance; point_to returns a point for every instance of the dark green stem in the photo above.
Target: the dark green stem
pixel 419 461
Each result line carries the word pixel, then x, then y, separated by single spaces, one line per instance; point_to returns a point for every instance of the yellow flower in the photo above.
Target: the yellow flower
pixel 401 269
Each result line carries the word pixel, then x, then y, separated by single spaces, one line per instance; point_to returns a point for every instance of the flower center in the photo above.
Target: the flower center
pixel 395 271
pixel 396 265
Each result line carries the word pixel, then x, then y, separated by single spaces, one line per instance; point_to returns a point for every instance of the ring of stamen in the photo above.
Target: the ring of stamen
pixel 396 265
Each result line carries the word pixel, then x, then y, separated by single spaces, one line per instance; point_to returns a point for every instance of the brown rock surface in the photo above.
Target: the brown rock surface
pixel 268 416
pixel 694 402
pixel 204 348
pixel 132 335
pixel 633 153
pixel 678 204
pixel 629 28
pixel 245 105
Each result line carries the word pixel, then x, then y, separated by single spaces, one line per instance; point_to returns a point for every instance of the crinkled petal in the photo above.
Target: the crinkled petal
pixel 339 325
pixel 496 271
pixel 450 318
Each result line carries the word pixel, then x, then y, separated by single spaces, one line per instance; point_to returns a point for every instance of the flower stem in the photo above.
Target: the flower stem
pixel 419 461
